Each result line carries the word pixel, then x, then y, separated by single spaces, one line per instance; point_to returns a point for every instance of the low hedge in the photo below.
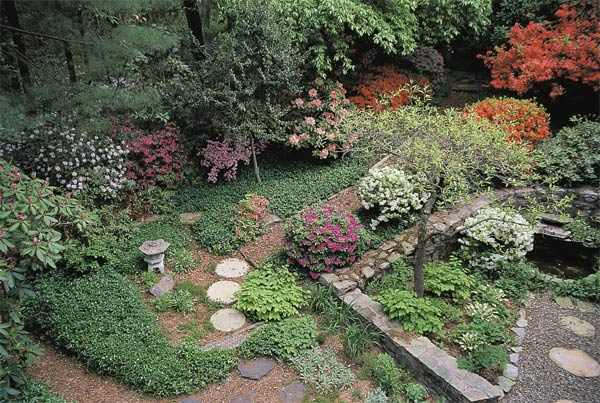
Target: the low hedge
pixel 101 320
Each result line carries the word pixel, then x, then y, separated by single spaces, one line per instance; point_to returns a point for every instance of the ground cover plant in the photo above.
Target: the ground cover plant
pixel 100 319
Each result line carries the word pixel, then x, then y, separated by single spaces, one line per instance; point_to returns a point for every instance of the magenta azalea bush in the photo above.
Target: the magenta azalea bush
pixel 321 239
pixel 320 117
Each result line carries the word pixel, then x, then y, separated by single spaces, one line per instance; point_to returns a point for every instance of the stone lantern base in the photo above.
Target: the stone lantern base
pixel 156 262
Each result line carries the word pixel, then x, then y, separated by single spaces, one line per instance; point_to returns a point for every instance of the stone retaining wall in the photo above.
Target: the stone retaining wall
pixel 428 363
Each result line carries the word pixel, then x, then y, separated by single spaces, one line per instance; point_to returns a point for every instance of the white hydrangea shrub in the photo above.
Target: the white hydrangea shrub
pixel 393 192
pixel 494 235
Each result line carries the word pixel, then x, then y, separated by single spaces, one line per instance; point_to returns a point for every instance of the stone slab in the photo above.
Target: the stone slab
pixel 190 218
pixel 270 219
pixel 585 306
pixel 256 369
pixel 565 302
pixel 293 393
pixel 511 372
pixel 575 361
pixel 232 268
pixel 245 398
pixel 578 326
pixel 223 292
pixel 228 319
pixel 190 399
pixel 163 286
pixel 505 383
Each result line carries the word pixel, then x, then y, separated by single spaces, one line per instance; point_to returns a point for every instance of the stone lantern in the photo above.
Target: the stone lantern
pixel 154 252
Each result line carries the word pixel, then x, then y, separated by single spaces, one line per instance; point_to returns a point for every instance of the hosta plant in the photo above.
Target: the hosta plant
pixel 182 261
pixel 321 239
pixel 469 341
pixel 495 235
pixel 482 311
pixel 271 293
pixel 395 194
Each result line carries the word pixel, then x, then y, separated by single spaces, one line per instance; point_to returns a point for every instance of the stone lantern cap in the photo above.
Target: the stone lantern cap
pixel 156 247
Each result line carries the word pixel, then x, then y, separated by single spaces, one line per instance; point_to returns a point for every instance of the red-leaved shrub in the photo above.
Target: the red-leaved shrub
pixel 525 120
pixel 545 53
pixel 321 239
pixel 247 217
pixel 380 89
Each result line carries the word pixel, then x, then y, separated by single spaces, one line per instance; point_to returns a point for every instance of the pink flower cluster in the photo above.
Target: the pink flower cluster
pixel 323 238
pixel 222 156
pixel 318 124
pixel 248 216
pixel 155 158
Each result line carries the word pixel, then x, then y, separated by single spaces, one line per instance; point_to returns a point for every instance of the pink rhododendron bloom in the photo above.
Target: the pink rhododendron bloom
pixel 320 131
pixel 299 101
pixel 324 153
pixel 313 92
pixel 317 102
pixel 310 121
pixel 294 139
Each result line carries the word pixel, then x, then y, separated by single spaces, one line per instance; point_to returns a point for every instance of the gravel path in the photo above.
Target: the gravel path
pixel 540 379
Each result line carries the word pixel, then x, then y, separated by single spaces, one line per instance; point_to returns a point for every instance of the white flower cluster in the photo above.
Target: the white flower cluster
pixel 78 162
pixel 8 150
pixel 393 192
pixel 495 235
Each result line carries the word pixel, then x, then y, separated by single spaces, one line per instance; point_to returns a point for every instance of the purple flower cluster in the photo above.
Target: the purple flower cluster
pixel 321 239
pixel 428 61
pixel 221 156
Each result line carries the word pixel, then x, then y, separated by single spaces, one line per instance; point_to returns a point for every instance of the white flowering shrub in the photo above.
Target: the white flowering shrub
pixel 393 192
pixel 494 235
pixel 67 157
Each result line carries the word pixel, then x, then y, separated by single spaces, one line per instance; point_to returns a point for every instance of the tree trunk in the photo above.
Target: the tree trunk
pixel 70 65
pixel 81 30
pixel 254 162
pixel 9 8
pixel 419 286
pixel 194 20
pixel 10 81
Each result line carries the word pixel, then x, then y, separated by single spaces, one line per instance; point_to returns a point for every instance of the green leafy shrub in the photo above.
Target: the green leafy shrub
pixel 515 279
pixel 421 315
pixel 335 316
pixel 571 157
pixel 587 288
pixel 471 336
pixel 322 370
pixel 271 294
pixel 583 232
pixel 35 392
pixel 148 279
pixel 485 357
pixel 282 340
pixel 182 261
pixel 448 279
pixel 100 319
pixel 197 291
pixel 398 279
pixel 387 375
pixel 414 392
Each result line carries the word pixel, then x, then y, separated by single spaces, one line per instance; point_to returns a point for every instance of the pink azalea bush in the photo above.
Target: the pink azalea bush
pixel 321 239
pixel 223 157
pixel 320 116
pixel 248 216
pixel 154 158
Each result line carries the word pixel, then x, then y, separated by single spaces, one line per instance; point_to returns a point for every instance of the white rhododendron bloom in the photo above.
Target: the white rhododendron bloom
pixel 494 235
pixel 393 192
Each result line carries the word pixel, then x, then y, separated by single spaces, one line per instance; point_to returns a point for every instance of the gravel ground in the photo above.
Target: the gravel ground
pixel 540 379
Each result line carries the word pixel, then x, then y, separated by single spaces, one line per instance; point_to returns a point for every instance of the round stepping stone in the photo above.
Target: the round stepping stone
pixel 575 361
pixel 578 326
pixel 228 319
pixel 232 268
pixel 223 292
pixel 256 369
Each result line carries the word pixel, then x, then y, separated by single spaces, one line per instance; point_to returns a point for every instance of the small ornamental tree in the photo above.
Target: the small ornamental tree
pixel 544 53
pixel 524 119
pixel 456 155
pixel 33 222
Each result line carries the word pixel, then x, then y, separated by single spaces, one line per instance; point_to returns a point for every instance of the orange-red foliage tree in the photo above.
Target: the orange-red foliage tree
pixel 546 53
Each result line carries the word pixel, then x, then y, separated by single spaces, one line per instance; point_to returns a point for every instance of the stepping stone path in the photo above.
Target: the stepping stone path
pixel 578 326
pixel 228 319
pixel 223 292
pixel 164 285
pixel 293 393
pixel 232 268
pixel 256 369
pixel 575 361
